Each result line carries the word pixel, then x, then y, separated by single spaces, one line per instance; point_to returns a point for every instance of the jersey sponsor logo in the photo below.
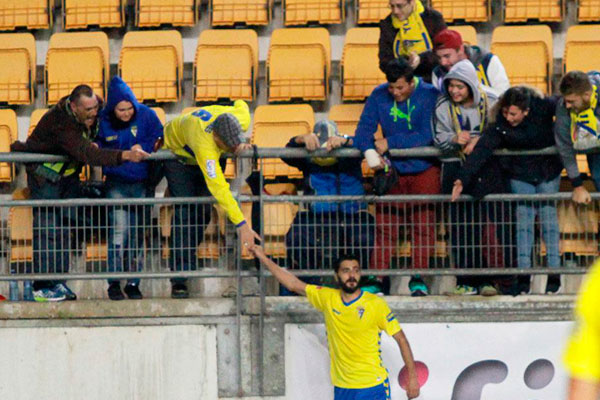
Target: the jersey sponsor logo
pixel 211 168
pixel 336 311
pixel 360 311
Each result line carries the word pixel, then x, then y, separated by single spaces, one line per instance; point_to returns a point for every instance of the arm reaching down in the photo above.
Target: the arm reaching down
pixel 412 388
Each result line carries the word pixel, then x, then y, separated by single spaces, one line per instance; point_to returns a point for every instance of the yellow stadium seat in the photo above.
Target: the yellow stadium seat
pixel 588 10
pixel 298 65
pixel 172 12
pixel 34 118
pixel 467 32
pixel 17 68
pixel 301 12
pixel 76 58
pixel 541 10
pixel 346 116
pixel 226 65
pixel 582 48
pixel 31 14
pixel 371 11
pixel 8 134
pixel 360 66
pixel 533 43
pixel 160 113
pixel 79 14
pixel 274 126
pixel 20 226
pixel 232 12
pixel 468 10
pixel 151 62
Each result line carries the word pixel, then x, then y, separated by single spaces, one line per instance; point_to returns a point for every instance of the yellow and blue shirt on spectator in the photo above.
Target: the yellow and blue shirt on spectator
pixel 188 137
pixel 582 357
pixel 354 337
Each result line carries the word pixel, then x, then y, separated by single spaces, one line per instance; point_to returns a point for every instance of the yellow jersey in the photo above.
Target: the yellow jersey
pixel 188 138
pixel 354 335
pixel 582 357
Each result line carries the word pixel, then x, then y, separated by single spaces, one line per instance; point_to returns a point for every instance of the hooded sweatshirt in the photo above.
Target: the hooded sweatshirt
pixel 144 128
pixel 470 118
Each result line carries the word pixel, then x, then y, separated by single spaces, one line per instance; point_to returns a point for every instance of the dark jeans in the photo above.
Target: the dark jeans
pixel 189 221
pixel 52 225
pixel 315 241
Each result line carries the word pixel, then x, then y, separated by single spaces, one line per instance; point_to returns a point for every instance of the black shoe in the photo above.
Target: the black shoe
pixel 524 284
pixel 114 291
pixel 179 291
pixel 553 285
pixel 133 291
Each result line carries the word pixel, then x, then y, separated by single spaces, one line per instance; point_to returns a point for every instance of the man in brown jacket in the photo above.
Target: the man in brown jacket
pixel 66 129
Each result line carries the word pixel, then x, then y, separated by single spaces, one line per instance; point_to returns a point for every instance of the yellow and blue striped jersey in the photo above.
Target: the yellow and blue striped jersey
pixel 582 357
pixel 354 335
pixel 186 136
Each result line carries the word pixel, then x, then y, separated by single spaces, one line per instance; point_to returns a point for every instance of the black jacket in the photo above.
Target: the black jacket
pixel 535 132
pixel 434 23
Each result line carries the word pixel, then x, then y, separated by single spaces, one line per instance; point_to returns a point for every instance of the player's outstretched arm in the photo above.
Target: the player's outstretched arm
pixel 412 389
pixel 287 279
pixel 583 390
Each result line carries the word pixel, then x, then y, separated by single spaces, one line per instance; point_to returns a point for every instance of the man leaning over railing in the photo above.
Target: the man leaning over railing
pixel 199 139
pixel 66 129
pixel 577 127
pixel 403 107
pixel 319 233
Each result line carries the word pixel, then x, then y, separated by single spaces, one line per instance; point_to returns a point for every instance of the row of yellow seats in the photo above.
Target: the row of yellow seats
pixel 226 62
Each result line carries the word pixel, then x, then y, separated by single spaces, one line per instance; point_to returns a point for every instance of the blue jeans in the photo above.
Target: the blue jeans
pixel 52 225
pixel 126 233
pixel 525 222
pixel 594 165
pixel 189 220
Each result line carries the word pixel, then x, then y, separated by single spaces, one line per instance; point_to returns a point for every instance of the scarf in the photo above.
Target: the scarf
pixel 585 120
pixel 412 34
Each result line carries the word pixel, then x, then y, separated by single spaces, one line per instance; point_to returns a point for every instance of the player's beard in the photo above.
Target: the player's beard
pixel 348 289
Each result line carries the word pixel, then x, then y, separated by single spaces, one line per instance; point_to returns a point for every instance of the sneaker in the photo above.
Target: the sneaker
pixel 28 291
pixel 63 289
pixel 133 291
pixel 46 295
pixel 417 287
pixel 488 290
pixel 372 285
pixel 553 285
pixel 179 291
pixel 114 291
pixel 464 290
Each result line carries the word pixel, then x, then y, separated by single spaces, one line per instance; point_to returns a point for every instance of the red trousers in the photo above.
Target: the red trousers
pixel 418 219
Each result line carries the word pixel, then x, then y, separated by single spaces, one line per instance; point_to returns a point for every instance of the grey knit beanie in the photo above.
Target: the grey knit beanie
pixel 228 129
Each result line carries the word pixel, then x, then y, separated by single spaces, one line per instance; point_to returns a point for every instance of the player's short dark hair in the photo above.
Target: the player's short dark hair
pixel 399 68
pixel 342 258
pixel 81 91
pixel 575 82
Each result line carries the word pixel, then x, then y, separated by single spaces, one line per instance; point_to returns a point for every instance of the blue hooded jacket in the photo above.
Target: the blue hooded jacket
pixel 144 128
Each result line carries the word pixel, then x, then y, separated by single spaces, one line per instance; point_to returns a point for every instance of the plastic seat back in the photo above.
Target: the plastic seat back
pixel 17 68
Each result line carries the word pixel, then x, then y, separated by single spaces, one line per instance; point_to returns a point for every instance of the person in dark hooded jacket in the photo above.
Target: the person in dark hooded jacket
pixel 126 124
pixel 524 120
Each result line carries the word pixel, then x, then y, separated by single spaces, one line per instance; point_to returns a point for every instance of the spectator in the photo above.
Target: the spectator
pixel 126 124
pixel 199 139
pixel 450 49
pixel 403 107
pixel 576 128
pixel 522 119
pixel 319 234
pixel 461 115
pixel 408 32
pixel 66 129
